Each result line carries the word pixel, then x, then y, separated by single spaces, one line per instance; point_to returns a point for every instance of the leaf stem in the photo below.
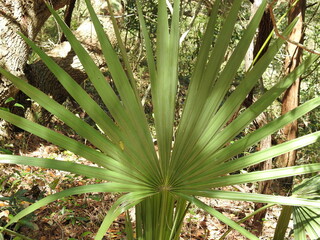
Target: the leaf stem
pixel 2 229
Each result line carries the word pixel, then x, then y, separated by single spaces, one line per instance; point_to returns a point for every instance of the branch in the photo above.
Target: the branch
pixel 68 16
pixel 285 38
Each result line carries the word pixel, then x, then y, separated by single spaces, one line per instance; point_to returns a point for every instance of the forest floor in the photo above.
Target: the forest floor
pixel 78 217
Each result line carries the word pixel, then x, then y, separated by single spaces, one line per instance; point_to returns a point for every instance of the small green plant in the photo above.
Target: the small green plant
pixel 5 151
pixel 10 99
pixel 162 185
pixel 305 219
pixel 16 203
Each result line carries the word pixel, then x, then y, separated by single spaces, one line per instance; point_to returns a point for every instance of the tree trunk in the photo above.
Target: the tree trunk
pixel 14 57
pixel 40 76
pixel 23 16
pixel 291 97
pixel 265 28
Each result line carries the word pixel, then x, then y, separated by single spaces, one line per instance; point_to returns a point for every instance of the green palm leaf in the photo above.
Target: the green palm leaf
pixel 121 205
pixel 306 220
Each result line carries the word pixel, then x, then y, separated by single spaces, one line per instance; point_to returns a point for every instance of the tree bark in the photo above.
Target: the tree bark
pixel 68 16
pixel 23 16
pixel 265 28
pixel 42 78
pixel 291 97
pixel 14 51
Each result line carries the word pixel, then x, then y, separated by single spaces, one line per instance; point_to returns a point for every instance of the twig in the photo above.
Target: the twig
pixel 169 6
pixel 283 37
pixel 184 35
pixel 313 70
pixel 144 99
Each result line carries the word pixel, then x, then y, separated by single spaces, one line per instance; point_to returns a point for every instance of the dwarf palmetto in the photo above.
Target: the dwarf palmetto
pixel 162 187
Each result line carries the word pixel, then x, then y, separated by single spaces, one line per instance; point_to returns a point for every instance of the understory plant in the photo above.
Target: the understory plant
pixel 162 184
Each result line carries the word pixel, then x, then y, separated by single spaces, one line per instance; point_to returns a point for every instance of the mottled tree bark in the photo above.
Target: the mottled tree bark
pixel 27 17
pixel 40 76
pixel 291 97
pixel 14 51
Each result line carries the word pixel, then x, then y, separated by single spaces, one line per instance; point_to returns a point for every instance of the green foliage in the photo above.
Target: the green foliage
pixel 11 100
pixel 306 220
pixel 17 202
pixel 162 185
pixel 4 150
